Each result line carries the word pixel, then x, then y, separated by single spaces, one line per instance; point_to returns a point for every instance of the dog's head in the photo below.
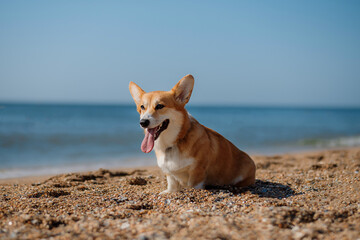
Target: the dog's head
pixel 161 109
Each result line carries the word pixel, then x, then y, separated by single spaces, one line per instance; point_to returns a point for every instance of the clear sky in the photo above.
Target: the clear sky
pixel 303 53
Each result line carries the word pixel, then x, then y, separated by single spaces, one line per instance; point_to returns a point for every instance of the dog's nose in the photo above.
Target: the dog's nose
pixel 144 122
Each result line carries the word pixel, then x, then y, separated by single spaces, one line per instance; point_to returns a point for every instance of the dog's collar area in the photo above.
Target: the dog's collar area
pixel 159 129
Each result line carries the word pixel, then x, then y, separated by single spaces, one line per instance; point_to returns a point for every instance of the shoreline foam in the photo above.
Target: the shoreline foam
pixel 149 161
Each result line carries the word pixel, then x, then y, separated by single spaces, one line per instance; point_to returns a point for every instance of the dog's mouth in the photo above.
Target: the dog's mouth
pixel 151 134
pixel 159 129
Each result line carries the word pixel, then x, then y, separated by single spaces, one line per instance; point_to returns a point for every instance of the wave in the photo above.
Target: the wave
pixel 351 141
pixel 43 170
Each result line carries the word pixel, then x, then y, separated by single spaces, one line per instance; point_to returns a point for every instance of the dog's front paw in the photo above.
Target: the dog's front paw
pixel 169 191
pixel 164 192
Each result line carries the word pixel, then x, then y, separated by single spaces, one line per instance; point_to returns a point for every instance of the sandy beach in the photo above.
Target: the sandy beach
pixel 313 195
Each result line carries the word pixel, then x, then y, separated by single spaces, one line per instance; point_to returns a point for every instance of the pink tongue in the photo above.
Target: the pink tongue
pixel 148 143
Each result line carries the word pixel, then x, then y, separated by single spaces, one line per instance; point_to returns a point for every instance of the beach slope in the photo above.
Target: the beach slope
pixel 299 196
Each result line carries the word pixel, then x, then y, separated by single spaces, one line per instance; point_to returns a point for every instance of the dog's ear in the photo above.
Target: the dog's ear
pixel 183 89
pixel 136 92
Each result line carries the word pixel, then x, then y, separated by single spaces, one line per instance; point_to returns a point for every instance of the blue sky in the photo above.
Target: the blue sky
pixel 292 53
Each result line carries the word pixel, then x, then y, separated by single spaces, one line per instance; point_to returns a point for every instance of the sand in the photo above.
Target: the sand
pixel 312 195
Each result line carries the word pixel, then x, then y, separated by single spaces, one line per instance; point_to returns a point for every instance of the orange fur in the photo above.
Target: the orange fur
pixel 190 154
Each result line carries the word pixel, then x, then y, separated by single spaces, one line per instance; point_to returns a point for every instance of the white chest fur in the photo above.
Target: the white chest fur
pixel 173 163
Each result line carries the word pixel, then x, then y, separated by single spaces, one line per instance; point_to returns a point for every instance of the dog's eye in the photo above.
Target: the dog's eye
pixel 159 106
pixel 142 107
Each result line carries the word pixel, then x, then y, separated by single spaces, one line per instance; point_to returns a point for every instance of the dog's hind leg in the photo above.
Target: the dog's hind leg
pixel 246 182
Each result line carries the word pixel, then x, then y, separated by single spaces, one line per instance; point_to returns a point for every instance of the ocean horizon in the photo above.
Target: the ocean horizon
pixel 40 139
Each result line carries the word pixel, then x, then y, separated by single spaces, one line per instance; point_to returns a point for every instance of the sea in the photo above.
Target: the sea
pixel 42 139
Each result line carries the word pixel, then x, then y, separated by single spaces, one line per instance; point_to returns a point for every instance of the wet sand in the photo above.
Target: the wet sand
pixel 314 195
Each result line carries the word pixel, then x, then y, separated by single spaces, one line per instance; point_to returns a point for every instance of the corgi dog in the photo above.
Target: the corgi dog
pixel 190 154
